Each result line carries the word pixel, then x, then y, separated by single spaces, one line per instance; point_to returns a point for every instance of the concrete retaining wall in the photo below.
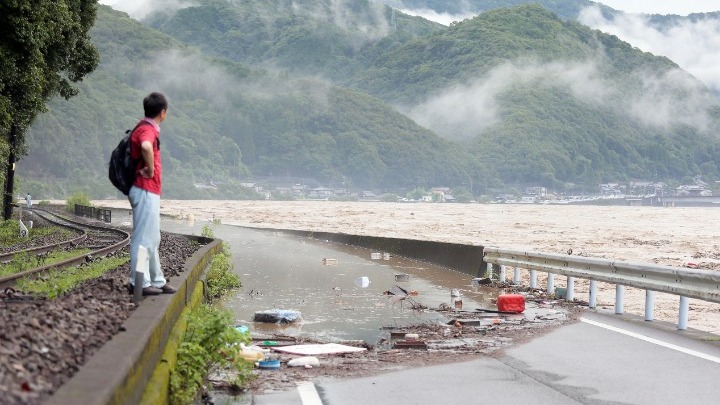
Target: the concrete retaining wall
pixel 122 369
pixel 464 258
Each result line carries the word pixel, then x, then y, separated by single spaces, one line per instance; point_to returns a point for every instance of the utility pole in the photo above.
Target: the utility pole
pixel 10 178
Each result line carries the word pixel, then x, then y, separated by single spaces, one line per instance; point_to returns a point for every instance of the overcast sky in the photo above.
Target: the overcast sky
pixel 680 7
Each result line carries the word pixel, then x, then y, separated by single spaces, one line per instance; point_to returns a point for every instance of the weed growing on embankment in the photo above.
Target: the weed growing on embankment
pixel 211 342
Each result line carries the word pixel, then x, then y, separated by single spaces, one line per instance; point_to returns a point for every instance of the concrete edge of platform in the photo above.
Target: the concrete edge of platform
pixel 122 369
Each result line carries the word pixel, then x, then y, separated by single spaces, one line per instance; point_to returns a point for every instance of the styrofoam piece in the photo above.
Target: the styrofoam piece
pixel 318 349
pixel 304 361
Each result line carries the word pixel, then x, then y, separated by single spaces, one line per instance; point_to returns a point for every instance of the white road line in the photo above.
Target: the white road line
pixel 654 341
pixel 308 393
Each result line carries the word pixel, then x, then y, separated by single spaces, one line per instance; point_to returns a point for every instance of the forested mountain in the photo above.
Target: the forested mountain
pixel 549 101
pixel 348 91
pixel 331 38
pixel 224 118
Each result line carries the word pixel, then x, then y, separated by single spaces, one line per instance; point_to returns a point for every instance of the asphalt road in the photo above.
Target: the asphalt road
pixel 604 359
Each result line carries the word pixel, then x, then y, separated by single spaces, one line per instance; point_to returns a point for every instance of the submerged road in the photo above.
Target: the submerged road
pixel 604 359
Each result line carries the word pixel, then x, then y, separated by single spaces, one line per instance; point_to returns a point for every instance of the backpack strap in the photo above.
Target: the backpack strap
pixel 143 122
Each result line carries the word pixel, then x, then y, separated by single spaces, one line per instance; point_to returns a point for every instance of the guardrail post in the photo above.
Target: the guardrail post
pixel 496 269
pixel 516 276
pixel 533 279
pixel 619 298
pixel 649 305
pixel 551 284
pixel 592 301
pixel 570 294
pixel 684 309
pixel 502 274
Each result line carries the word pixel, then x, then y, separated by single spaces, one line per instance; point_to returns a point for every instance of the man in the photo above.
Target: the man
pixel 144 197
pixel 28 200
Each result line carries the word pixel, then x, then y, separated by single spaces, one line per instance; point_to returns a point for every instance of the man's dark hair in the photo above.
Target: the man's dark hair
pixel 153 104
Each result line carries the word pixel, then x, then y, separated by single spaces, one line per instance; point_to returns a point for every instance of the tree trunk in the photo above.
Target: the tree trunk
pixel 10 178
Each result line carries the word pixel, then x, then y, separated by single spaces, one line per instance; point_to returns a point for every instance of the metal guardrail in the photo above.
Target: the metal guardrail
pixel 687 283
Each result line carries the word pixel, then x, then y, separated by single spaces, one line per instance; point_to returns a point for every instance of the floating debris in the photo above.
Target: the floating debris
pixel 281 316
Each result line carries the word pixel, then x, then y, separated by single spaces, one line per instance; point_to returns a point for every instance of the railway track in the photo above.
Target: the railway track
pixel 101 240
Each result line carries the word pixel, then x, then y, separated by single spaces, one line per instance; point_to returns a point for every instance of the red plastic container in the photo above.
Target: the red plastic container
pixel 511 303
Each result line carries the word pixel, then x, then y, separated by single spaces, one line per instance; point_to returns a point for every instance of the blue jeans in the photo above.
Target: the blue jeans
pixel 146 233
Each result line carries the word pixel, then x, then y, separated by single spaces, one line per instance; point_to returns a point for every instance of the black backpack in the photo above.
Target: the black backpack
pixel 123 168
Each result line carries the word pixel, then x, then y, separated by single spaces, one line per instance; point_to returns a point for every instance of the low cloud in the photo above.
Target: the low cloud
pixel 658 105
pixel 464 111
pixel 694 46
pixel 140 9
pixel 349 15
pixel 185 73
pixel 181 73
pixel 440 18
pixel 666 100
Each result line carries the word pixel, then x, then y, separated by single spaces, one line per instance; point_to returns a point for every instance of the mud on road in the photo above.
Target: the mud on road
pixel 466 336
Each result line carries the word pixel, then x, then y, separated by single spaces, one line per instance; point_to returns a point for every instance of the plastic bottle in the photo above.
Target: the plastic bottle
pixel 252 353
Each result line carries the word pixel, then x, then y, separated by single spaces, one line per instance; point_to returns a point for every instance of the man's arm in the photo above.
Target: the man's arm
pixel 146 149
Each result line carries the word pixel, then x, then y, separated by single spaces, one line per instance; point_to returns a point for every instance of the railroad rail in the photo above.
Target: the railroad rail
pixel 105 241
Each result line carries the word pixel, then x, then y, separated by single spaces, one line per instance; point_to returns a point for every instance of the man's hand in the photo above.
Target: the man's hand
pixel 146 172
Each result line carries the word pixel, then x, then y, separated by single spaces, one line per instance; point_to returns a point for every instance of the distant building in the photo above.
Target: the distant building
pixel 536 191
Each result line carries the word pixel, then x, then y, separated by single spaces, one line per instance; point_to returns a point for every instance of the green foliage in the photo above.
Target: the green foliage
pixel 56 282
pixel 45 46
pixel 220 277
pixel 10 233
pixel 207 231
pixel 211 343
pixel 417 193
pixel 462 195
pixel 77 199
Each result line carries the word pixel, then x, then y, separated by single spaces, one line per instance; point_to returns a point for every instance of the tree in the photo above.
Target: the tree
pixel 44 45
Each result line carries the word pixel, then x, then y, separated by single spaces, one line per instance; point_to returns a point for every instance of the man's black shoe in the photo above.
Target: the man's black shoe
pixel 152 291
pixel 168 289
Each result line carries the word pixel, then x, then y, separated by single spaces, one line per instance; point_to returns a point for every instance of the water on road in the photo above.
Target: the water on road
pixel 283 271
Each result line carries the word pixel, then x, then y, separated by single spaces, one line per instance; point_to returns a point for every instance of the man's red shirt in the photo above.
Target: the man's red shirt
pixel 147 131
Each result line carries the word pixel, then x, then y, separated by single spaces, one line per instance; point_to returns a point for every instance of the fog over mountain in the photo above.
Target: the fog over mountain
pixel 694 44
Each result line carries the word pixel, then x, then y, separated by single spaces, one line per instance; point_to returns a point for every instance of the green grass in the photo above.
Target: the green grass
pixel 27 261
pixel 54 283
pixel 10 233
